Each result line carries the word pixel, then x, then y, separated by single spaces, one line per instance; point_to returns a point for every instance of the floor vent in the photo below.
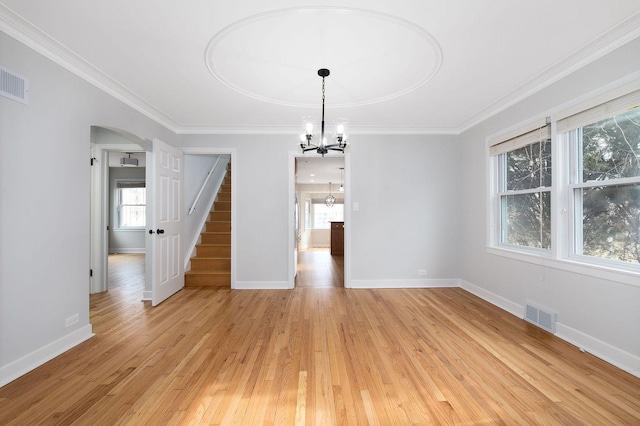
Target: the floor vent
pixel 541 317
pixel 14 86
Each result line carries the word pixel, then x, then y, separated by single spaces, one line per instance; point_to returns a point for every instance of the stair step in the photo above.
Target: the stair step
pixel 222 206
pixel 222 264
pixel 218 226
pixel 224 196
pixel 207 279
pixel 225 187
pixel 215 238
pixel 213 250
pixel 220 216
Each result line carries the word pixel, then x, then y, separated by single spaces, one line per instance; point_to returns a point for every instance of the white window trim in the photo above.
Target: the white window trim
pixel 560 256
pixel 116 206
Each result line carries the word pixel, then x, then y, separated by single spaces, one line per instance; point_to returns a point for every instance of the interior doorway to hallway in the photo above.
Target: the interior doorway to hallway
pixel 319 241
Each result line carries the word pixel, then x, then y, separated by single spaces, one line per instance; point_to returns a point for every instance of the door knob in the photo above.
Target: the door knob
pixel 158 231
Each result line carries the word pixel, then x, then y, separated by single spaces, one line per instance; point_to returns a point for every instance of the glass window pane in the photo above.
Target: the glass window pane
pixel 529 167
pixel 322 215
pixel 611 148
pixel 611 222
pixel 132 216
pixel 528 219
pixel 133 196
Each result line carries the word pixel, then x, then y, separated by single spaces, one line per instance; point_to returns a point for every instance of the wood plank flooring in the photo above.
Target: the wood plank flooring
pixel 318 268
pixel 318 356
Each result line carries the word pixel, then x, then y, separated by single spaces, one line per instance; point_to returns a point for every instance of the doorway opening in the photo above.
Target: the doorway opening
pixel 118 210
pixel 319 226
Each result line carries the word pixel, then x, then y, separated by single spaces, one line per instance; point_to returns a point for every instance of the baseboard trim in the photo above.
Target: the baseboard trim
pixel 614 356
pixel 494 299
pixel 139 250
pixel 19 367
pixel 261 285
pixel 425 283
pixel 146 296
pixel 606 352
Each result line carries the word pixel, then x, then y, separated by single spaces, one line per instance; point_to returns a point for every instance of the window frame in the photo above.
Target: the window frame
pixel 562 255
pixel 498 163
pixel 117 205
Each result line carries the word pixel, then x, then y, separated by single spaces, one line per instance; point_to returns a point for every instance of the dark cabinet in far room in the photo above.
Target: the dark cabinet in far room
pixel 337 238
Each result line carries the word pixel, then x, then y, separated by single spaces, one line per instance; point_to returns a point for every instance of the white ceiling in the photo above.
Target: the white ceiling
pixel 397 66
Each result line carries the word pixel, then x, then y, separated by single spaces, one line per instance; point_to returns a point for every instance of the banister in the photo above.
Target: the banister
pixel 195 202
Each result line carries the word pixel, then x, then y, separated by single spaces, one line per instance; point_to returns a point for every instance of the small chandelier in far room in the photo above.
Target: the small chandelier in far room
pixel 340 134
pixel 330 200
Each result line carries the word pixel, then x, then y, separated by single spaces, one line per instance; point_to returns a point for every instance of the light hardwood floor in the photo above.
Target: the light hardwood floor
pixel 318 356
pixel 318 268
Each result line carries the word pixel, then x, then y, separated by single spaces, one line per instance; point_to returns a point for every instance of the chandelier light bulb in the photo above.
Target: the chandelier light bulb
pixel 340 129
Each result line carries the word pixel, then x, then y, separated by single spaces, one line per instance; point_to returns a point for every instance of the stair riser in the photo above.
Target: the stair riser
pixel 213 251
pixel 218 226
pixel 206 238
pixel 205 264
pixel 217 280
pixel 220 216
pixel 225 187
pixel 224 196
pixel 222 206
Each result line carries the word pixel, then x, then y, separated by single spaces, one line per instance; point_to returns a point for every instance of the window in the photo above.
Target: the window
pixel 132 199
pixel 323 215
pixel 572 197
pixel 604 184
pixel 523 178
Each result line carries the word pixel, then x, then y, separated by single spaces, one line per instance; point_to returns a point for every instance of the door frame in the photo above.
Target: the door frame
pixel 293 155
pixel 99 207
pixel 234 198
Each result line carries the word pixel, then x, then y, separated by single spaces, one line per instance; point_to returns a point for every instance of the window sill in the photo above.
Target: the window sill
pixel 622 276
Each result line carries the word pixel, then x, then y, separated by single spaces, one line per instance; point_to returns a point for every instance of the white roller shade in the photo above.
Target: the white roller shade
pixel 536 135
pixel 600 112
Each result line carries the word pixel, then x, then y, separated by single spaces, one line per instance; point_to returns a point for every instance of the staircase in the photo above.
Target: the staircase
pixel 211 266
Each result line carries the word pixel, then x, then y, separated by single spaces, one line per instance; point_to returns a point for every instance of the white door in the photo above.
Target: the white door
pixel 167 270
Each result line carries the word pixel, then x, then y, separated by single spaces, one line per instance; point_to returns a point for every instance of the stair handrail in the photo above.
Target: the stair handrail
pixel 195 202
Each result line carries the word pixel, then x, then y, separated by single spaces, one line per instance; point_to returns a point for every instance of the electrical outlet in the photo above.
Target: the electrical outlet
pixel 422 272
pixel 72 320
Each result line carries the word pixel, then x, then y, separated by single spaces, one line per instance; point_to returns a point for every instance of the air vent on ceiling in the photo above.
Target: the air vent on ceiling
pixel 541 317
pixel 14 86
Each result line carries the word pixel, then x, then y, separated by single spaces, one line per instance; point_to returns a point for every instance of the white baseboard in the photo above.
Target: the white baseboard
pixel 128 250
pixel 146 295
pixel 261 285
pixel 615 356
pixel 19 367
pixel 494 299
pixel 425 283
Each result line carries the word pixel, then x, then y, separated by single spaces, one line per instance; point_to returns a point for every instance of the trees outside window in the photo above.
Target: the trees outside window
pixel 606 188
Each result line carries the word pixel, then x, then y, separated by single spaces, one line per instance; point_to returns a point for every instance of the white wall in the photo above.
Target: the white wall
pixel 44 219
pixel 408 217
pixel 599 314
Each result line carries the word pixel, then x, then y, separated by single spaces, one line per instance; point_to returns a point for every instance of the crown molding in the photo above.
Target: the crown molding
pixel 607 43
pixel 25 32
pixel 31 36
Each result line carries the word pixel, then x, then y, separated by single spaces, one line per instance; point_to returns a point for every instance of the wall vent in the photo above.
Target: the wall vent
pixel 14 86
pixel 542 317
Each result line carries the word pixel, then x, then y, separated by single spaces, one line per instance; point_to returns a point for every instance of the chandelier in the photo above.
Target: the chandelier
pixel 330 200
pixel 339 136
